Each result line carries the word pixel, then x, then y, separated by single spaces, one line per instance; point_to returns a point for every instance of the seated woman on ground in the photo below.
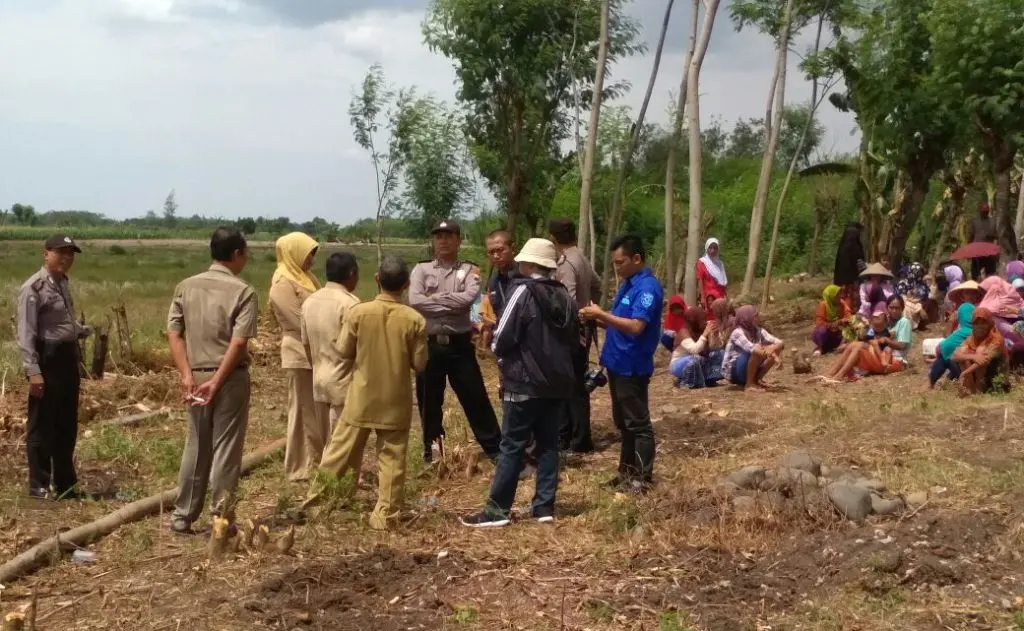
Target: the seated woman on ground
pixel 751 351
pixel 883 350
pixel 944 353
pixel 982 356
pixel 696 362
pixel 674 321
pixel 877 287
pixel 829 320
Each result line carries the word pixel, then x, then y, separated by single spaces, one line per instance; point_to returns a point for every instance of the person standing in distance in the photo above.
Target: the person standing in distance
pixel 290 286
pixel 323 315
pixel 385 340
pixel 48 336
pixel 983 228
pixel 581 280
pixel 212 318
pixel 443 290
pixel 628 356
pixel 535 342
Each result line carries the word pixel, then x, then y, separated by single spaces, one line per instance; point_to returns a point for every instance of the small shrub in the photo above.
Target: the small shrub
pixel 466 614
pixel 118 250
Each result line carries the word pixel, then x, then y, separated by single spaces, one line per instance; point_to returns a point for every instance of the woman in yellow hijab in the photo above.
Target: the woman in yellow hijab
pixel 291 285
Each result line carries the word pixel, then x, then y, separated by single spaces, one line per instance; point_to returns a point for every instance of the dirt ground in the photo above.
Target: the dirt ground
pixel 678 559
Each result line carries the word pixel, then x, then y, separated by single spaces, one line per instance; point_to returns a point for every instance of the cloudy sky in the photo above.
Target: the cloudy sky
pixel 240 105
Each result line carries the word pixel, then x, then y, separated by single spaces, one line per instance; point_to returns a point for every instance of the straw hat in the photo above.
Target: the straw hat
pixel 876 269
pixel 539 252
pixel 965 286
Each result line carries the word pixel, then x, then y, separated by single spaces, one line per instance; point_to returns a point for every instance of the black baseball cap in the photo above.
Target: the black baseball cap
pixel 447 225
pixel 61 242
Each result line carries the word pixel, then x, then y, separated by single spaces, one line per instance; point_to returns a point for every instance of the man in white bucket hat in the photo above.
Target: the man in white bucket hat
pixel 534 343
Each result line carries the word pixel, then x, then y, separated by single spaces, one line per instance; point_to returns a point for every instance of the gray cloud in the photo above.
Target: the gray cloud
pixel 307 13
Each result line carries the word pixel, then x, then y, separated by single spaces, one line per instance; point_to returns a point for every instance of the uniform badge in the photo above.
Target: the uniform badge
pixel 646 300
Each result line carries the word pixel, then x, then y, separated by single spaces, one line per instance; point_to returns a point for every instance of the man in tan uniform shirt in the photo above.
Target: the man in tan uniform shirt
pixel 212 318
pixel 584 285
pixel 323 315
pixel 386 340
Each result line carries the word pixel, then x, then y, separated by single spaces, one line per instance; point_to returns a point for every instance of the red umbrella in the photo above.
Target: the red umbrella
pixel 976 250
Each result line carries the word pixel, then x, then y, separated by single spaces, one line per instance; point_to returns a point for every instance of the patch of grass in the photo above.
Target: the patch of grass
pixel 118 250
pixel 466 614
pixel 1018 621
pixel 334 493
pixel 675 621
pixel 618 515
pixel 600 611
pixel 111 444
pixel 165 455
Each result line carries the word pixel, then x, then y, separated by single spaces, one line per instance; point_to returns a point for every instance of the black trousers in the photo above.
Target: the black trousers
pixel 455 363
pixel 990 264
pixel 52 428
pixel 574 430
pixel 632 416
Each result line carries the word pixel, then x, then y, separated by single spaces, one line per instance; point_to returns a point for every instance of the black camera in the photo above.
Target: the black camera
pixel 594 379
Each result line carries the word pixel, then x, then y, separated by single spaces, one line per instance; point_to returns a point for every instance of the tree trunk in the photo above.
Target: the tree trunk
pixel 693 230
pixel 908 196
pixel 812 260
pixel 99 351
pixel 627 160
pixel 764 181
pixel 954 210
pixel 789 175
pixel 587 176
pixel 1001 151
pixel 670 169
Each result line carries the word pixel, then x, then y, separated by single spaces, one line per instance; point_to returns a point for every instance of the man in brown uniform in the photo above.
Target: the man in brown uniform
pixel 386 340
pixel 323 315
pixel 48 338
pixel 212 318
pixel 579 277
pixel 443 290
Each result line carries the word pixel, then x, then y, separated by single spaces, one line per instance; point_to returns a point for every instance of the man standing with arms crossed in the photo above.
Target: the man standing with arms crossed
pixel 212 318
pixel 48 339
pixel 323 315
pixel 443 290
pixel 584 285
pixel 385 340
pixel 628 354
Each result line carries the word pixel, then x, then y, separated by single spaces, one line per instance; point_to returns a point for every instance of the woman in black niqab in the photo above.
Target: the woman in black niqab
pixel 850 258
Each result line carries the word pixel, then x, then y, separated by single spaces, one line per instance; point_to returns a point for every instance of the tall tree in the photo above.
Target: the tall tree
pixel 24 214
pixel 693 233
pixel 978 58
pixel 587 174
pixel 777 91
pixel 369 104
pixel 170 209
pixel 615 213
pixel 515 63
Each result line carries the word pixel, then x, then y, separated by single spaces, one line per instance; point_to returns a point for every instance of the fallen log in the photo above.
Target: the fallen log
pixel 41 553
pixel 133 419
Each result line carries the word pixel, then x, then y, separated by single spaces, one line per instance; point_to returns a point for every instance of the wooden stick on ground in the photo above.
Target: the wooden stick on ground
pixel 134 419
pixel 39 554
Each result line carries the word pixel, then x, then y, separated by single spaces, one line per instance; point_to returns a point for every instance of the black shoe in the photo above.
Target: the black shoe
pixel 543 514
pixel 483 520
pixel 39 493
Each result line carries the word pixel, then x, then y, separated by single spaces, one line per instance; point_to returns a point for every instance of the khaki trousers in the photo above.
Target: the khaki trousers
pixel 327 416
pixel 306 435
pixel 345 453
pixel 213 449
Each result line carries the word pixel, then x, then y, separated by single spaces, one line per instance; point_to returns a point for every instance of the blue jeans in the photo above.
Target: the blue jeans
pixel 939 368
pixel 690 371
pixel 539 418
pixel 739 369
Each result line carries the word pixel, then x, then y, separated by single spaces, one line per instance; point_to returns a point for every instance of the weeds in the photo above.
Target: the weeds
pixel 466 614
pixel 675 621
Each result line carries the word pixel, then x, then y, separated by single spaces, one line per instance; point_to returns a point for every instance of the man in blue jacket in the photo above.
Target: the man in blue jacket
pixel 534 343
pixel 632 332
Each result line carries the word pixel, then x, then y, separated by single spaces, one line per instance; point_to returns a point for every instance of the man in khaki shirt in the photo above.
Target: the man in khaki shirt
pixel 443 290
pixel 212 318
pixel 323 315
pixel 584 285
pixel 386 340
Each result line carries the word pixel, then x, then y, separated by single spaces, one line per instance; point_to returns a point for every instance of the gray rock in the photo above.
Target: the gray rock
pixel 853 502
pixel 771 482
pixel 872 484
pixel 917 498
pixel 882 506
pixel 669 410
pixel 804 462
pixel 725 487
pixel 744 505
pixel 747 477
pixel 798 477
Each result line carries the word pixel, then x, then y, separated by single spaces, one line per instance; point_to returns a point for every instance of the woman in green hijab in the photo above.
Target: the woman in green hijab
pixel 828 321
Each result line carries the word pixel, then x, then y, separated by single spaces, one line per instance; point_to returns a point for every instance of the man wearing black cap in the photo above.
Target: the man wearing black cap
pixel 444 289
pixel 48 336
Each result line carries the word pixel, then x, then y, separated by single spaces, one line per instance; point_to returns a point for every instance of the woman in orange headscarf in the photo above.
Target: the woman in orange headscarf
pixel 982 356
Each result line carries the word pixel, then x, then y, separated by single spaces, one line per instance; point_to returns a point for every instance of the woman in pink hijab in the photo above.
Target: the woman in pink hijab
pixel 1001 298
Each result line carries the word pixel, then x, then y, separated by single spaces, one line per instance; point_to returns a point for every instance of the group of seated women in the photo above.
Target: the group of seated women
pixel 721 344
pixel 873 336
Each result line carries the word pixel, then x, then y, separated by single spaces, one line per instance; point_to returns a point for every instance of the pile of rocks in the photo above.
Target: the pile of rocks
pixel 804 479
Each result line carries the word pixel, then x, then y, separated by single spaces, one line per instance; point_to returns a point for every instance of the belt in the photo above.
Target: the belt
pixel 215 369
pixel 444 339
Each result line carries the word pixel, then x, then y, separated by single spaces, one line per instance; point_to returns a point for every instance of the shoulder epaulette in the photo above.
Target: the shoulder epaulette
pixel 424 261
pixel 38 284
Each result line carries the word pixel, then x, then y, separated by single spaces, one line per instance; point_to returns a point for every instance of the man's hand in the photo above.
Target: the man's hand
pixel 204 394
pixel 84 332
pixel 35 386
pixel 188 387
pixel 591 312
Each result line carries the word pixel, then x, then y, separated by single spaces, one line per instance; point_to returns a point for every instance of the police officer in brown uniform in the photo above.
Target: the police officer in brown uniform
pixel 211 320
pixel 443 290
pixel 48 337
